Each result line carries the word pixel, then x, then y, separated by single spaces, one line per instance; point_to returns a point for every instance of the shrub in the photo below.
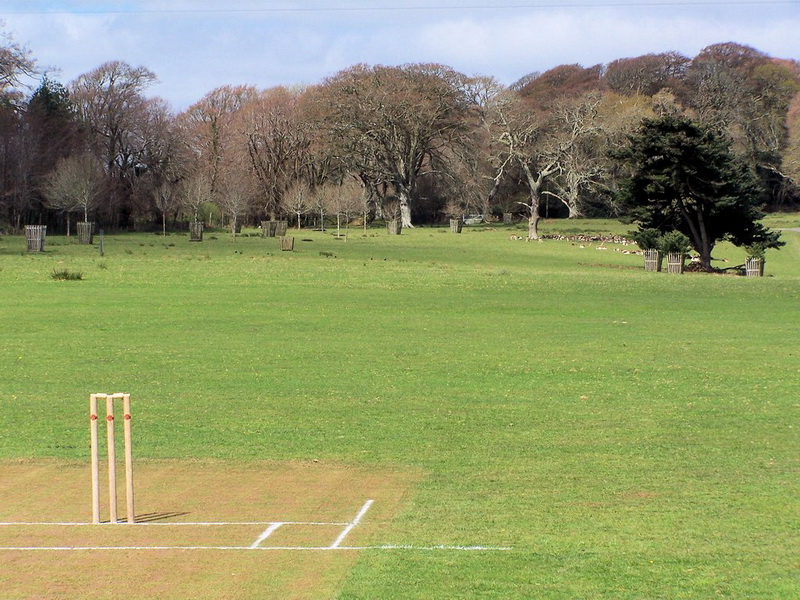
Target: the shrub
pixel 673 242
pixel 755 251
pixel 647 239
pixel 65 275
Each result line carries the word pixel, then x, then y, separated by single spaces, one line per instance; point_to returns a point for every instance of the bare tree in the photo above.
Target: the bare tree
pixel 235 197
pixel 559 83
pixel 107 100
pixel 74 185
pixel 277 144
pixel 392 124
pixel 167 201
pixel 209 130
pixel 343 200
pixel 578 140
pixel 195 192
pixel 791 156
pixel 298 199
pixel 17 156
pixel 747 94
pixel 110 103
pixel 320 201
pixel 483 179
pixel 16 62
pixel 523 140
pixel 646 75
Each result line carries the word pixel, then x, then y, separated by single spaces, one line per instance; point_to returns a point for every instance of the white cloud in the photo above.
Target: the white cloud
pixel 194 52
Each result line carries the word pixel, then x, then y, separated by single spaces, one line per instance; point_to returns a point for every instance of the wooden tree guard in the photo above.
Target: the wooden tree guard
pixel 268 228
pixel 85 232
pixel 287 242
pixel 196 231
pixel 281 227
pixel 35 235
pixel 652 260
pixel 754 267
pixel 456 225
pixel 394 226
pixel 675 262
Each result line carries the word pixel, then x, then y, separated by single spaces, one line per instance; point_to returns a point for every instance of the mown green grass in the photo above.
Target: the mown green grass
pixel 628 434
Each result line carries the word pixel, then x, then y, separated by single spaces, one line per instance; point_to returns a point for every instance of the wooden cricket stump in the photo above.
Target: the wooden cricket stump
pixel 112 456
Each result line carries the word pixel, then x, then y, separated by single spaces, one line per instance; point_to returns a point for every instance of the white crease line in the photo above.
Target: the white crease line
pixel 178 524
pixel 265 534
pixel 437 547
pixel 352 524
pixel 258 548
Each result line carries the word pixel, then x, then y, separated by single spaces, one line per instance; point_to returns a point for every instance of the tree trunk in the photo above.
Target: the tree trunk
pixel 533 226
pixel 405 209
pixel 572 206
pixel 534 185
pixel 705 259
pixel 698 233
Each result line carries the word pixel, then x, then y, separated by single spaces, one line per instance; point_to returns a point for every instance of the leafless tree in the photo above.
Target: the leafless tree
pixel 392 124
pixel 343 200
pixel 110 103
pixel 524 140
pixel 321 201
pixel 167 200
pixel 17 154
pixel 277 144
pixel 195 192
pixel 578 145
pixel 298 199
pixel 209 130
pixel 236 197
pixel 16 62
pixel 646 75
pixel 560 83
pixel 74 185
pixel 747 94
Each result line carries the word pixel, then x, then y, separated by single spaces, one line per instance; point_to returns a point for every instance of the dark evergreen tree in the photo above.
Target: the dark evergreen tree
pixel 686 178
pixel 52 134
pixel 53 122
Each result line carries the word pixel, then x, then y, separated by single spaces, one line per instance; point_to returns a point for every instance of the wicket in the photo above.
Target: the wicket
pixel 112 461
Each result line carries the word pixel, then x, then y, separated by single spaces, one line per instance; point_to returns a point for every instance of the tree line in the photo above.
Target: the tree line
pixel 418 143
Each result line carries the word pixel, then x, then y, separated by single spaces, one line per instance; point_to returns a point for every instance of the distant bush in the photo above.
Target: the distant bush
pixel 756 251
pixel 675 241
pixel 65 275
pixel 647 239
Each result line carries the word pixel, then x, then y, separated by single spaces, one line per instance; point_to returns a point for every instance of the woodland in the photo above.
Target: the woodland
pixel 419 143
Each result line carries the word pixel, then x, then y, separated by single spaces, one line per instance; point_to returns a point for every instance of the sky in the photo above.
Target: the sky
pixel 195 46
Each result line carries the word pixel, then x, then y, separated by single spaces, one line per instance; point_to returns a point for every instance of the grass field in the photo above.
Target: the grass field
pixel 604 432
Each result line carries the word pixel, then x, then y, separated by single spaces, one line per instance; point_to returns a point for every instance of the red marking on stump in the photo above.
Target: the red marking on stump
pixel 110 418
pixel 127 417
pixel 93 418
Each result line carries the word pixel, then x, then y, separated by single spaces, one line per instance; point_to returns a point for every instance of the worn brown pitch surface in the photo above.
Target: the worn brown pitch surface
pixel 165 555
